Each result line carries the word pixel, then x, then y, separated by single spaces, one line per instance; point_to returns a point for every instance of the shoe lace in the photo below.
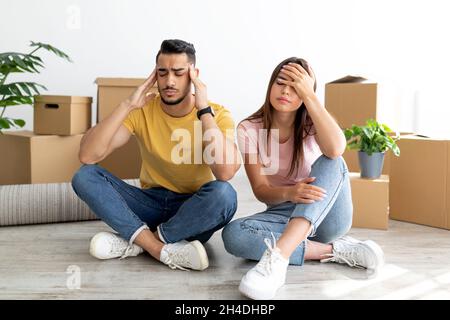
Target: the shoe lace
pixel 127 251
pixel 350 257
pixel 176 258
pixel 265 265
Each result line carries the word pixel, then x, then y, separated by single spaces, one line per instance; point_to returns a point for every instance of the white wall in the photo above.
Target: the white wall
pixel 240 42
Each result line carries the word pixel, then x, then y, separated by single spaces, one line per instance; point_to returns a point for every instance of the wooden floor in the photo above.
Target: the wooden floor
pixel 44 261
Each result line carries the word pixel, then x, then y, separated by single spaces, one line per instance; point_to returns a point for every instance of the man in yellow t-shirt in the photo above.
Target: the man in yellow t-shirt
pixel 188 155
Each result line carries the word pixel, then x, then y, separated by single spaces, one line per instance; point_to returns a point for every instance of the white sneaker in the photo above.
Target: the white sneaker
pixel 185 255
pixel 361 254
pixel 263 281
pixel 108 245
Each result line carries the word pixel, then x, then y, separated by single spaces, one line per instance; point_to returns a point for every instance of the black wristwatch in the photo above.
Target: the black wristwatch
pixel 201 112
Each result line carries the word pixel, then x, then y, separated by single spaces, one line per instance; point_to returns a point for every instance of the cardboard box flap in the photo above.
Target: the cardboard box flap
pixel 349 79
pixel 119 82
pixel 62 99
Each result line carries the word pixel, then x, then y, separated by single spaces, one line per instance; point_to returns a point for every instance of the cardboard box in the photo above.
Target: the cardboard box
pixel 370 211
pixel 30 158
pixel 112 91
pixel 62 115
pixel 420 182
pixel 353 100
pixel 125 162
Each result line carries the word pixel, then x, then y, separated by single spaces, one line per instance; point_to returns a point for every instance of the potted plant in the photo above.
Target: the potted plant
pixel 372 141
pixel 20 93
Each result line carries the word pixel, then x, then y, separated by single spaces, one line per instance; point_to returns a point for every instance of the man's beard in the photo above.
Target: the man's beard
pixel 172 103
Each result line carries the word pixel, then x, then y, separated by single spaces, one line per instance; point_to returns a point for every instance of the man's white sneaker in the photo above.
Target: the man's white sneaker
pixel 361 254
pixel 263 281
pixel 108 245
pixel 185 255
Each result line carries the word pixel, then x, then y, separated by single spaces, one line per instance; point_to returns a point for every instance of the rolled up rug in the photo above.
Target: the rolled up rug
pixel 43 203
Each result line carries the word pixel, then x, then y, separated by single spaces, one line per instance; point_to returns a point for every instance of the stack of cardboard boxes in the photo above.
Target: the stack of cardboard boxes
pixel 414 187
pixel 351 101
pixel 50 153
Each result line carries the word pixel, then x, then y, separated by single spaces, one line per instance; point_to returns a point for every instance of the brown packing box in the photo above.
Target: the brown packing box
pixel 62 115
pixel 30 158
pixel 370 201
pixel 353 100
pixel 124 162
pixel 112 91
pixel 420 182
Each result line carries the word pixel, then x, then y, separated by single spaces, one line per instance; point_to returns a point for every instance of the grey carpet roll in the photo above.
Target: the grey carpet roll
pixel 43 203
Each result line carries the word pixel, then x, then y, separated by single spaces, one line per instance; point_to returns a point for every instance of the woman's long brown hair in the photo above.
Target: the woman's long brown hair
pixel 302 123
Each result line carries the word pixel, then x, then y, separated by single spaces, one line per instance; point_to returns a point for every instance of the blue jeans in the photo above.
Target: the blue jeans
pixel 128 209
pixel 330 218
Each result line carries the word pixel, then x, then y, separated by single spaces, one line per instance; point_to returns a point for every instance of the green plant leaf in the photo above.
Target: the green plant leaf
pixel 396 150
pixel 19 62
pixel 7 123
pixel 353 146
pixel 368 132
pixel 4 124
pixel 356 130
pixel 348 134
pixel 52 49
pixel 21 88
pixel 15 101
pixel 19 122
pixel 371 138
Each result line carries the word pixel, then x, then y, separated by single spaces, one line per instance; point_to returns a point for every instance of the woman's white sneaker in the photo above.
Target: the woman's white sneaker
pixel 361 254
pixel 263 281
pixel 185 255
pixel 108 245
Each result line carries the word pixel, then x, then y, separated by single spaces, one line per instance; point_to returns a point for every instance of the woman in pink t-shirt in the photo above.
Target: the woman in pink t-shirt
pixel 292 150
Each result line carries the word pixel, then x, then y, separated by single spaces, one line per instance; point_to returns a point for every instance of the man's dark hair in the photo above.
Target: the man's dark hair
pixel 177 46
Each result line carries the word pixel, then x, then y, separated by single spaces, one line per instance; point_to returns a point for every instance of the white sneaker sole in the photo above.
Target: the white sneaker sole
pixel 204 262
pixel 254 293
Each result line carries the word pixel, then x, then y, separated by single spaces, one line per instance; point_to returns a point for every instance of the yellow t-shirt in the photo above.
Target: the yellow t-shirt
pixel 166 143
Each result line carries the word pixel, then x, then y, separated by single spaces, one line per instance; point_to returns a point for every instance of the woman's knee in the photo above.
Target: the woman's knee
pixel 325 163
pixel 327 233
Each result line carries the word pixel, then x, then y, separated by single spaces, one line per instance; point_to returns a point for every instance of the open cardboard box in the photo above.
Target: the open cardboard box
pixel 354 99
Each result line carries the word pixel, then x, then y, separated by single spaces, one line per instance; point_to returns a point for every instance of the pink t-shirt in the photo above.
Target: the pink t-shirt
pixel 252 140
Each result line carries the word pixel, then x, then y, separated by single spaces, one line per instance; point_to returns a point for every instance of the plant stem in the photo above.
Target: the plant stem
pixel 33 51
